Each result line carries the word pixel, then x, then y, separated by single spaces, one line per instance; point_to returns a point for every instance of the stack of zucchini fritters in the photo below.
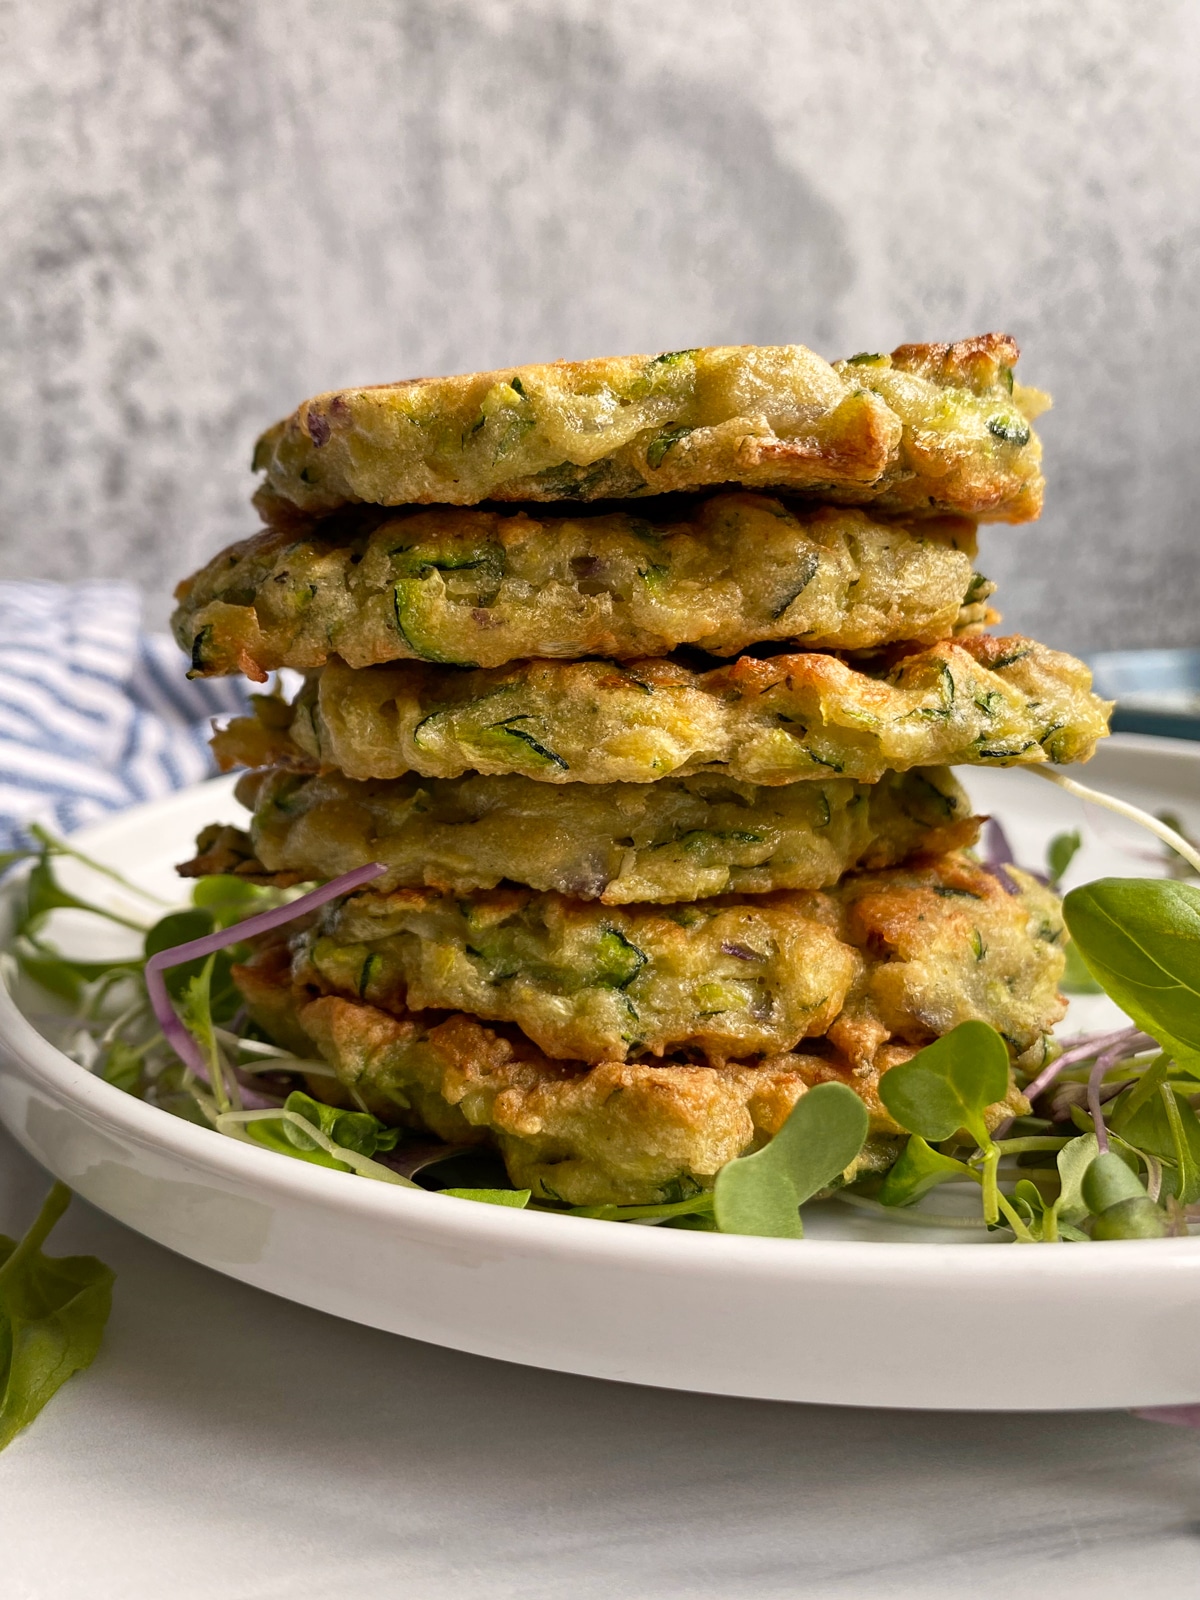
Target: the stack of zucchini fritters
pixel 642 677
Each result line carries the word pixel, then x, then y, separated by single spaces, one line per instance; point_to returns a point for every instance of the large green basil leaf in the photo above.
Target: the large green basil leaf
pixel 1140 938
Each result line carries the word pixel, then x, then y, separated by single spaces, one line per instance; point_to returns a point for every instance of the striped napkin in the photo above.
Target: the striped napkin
pixel 95 714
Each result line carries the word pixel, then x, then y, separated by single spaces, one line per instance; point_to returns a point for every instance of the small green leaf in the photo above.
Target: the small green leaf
pixel 492 1197
pixel 920 1169
pixel 1073 1161
pixel 179 927
pixel 1140 938
pixel 52 1316
pixel 1121 1206
pixel 949 1084
pixel 354 1130
pixel 1060 852
pixel 1031 1206
pixel 1166 1126
pixel 44 894
pixel 122 1067
pixel 229 900
pixel 700 1203
pixel 272 1136
pixel 1136 1096
pixel 763 1193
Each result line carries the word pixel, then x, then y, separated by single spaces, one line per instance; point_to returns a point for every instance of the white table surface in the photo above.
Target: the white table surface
pixel 229 1444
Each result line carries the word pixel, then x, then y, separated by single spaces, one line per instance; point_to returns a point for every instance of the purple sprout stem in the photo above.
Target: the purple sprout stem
pixel 998 852
pixel 1104 1063
pixel 177 1035
pixel 1129 1039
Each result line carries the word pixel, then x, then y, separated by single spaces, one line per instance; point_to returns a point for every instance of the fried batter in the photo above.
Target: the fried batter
pixel 681 839
pixel 483 588
pixel 935 946
pixel 981 701
pixel 946 943
pixel 899 954
pixel 931 427
pixel 619 1133
pixel 590 983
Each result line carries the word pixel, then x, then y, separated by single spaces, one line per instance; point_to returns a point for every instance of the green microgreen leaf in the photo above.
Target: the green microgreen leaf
pixel 270 1133
pixel 44 894
pixel 1073 1161
pixel 699 1204
pixel 1136 1096
pixel 1060 852
pixel 52 1316
pixel 919 1169
pixel 196 1014
pixel 353 1130
pixel 229 900
pixel 1140 938
pixel 1113 1193
pixel 763 1193
pixel 1164 1125
pixel 178 927
pixel 492 1197
pixel 949 1084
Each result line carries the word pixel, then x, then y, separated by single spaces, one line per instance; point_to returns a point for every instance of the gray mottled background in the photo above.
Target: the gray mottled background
pixel 213 208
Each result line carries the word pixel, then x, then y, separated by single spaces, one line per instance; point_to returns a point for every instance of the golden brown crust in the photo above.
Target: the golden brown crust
pixel 465 586
pixel 977 701
pixel 935 428
pixel 895 956
pixel 679 840
pixel 641 1132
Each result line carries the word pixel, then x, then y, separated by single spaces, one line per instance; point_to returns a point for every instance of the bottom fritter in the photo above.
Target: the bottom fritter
pixel 620 1133
pixel 900 957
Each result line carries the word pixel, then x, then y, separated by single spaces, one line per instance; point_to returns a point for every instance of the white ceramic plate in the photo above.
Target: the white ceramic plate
pixel 859 1313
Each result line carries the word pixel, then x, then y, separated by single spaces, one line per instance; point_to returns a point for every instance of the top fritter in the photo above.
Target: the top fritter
pixel 930 428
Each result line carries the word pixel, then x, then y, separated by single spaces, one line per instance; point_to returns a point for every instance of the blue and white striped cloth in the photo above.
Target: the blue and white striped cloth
pixel 95 714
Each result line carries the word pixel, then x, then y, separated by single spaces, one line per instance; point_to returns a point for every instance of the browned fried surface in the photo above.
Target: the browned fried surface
pixel 932 427
pixel 643 1131
pixel 483 587
pixel 586 982
pixel 899 954
pixel 978 701
pixel 681 839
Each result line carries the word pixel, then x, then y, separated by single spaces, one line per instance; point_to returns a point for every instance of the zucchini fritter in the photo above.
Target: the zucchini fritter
pixel 902 953
pixel 930 427
pixel 981 700
pixel 592 983
pixel 681 839
pixel 482 588
pixel 933 947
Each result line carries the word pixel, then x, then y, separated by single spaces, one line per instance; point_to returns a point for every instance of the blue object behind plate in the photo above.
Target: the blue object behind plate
pixel 1157 691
